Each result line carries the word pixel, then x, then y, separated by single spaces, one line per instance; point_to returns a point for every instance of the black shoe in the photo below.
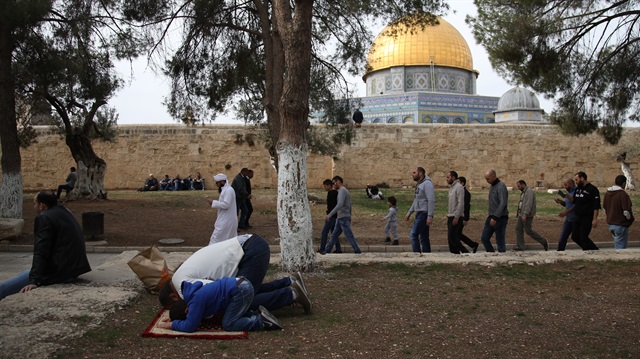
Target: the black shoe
pixel 517 249
pixel 337 251
pixel 395 243
pixel 269 320
pixel 475 249
pixel 387 241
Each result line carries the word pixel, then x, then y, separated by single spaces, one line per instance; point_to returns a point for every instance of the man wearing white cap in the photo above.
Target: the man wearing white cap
pixel 226 225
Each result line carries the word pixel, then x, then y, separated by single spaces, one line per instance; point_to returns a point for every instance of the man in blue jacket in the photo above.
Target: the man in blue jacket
pixel 229 295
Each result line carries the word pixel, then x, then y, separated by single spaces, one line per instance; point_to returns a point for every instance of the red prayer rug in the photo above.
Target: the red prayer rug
pixel 208 329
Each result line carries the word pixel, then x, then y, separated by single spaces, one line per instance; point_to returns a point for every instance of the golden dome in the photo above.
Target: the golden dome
pixel 440 43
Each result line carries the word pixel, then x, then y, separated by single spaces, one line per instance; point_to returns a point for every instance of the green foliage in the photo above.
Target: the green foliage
pixel 66 58
pixel 583 54
pixel 232 54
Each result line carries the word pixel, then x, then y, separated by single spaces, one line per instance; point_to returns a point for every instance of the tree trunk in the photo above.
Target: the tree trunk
pixel 294 214
pixel 11 187
pixel 90 168
pixel 626 170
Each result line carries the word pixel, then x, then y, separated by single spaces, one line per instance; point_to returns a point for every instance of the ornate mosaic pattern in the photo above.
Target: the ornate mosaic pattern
pixel 419 78
pixel 428 108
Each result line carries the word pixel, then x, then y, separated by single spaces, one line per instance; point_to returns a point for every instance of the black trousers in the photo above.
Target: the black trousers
pixel 249 211
pixel 453 236
pixel 581 230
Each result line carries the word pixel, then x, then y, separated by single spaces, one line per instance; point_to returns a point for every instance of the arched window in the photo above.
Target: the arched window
pixel 392 120
pixel 426 119
pixel 377 120
pixel 458 120
pixel 443 120
pixel 408 119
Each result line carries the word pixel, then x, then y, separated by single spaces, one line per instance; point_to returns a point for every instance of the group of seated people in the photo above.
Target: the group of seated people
pixel 176 184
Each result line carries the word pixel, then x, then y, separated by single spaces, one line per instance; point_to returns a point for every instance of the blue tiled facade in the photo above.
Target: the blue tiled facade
pixel 422 107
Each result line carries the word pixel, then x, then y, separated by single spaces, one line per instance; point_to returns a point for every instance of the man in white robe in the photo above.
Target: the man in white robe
pixel 226 225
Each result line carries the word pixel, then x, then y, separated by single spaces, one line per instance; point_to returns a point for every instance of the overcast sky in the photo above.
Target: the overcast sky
pixel 140 101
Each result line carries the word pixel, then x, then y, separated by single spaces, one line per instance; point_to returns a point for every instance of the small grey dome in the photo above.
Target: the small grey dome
pixel 518 98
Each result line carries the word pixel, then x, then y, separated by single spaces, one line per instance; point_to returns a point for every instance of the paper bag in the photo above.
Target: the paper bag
pixel 151 267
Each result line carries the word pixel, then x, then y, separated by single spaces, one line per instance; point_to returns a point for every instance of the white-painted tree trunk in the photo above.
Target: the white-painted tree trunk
pixel 11 195
pixel 90 184
pixel 294 213
pixel 626 170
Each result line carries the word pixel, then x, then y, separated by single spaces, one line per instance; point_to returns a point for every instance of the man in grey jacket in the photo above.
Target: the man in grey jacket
pixel 525 214
pixel 498 213
pixel 72 177
pixel 455 214
pixel 423 205
pixel 343 222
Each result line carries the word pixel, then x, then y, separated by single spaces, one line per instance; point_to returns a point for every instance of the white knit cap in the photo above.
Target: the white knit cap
pixel 220 177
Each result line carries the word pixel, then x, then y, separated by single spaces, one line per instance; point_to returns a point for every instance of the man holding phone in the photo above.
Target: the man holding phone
pixel 570 217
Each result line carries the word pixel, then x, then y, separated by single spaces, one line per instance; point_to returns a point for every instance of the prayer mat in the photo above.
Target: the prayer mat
pixel 208 329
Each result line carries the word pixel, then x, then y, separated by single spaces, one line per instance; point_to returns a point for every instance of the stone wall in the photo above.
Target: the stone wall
pixel 379 153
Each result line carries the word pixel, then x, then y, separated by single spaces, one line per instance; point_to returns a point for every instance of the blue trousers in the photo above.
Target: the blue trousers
pixel 328 227
pixel 13 285
pixel 500 229
pixel 420 233
pixel 253 266
pixel 343 224
pixel 237 316
pixel 567 229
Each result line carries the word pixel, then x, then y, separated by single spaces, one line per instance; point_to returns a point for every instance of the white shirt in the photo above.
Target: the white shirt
pixel 212 262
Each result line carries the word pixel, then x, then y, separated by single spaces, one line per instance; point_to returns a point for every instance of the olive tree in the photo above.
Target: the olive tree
pixel 268 52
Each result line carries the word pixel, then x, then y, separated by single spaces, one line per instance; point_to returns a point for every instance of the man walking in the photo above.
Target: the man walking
pixel 617 206
pixel 249 205
pixel 526 212
pixel 568 213
pixel 467 214
pixel 455 214
pixel 424 202
pixel 240 188
pixel 226 225
pixel 586 200
pixel 498 213
pixel 343 222
pixel 332 201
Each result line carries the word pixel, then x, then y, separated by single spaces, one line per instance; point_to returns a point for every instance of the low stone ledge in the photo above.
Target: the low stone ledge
pixel 10 227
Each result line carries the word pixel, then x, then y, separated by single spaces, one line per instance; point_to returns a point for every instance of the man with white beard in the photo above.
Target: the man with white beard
pixel 226 225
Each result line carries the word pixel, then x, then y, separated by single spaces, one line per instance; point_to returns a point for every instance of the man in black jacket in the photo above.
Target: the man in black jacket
pixel 59 254
pixel 248 204
pixel 586 200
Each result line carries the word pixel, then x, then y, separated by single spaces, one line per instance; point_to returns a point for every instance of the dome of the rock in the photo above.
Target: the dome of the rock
pixel 442 44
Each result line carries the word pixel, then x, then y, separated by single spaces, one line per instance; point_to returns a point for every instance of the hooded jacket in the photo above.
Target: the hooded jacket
pixel 204 301
pixel 616 203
